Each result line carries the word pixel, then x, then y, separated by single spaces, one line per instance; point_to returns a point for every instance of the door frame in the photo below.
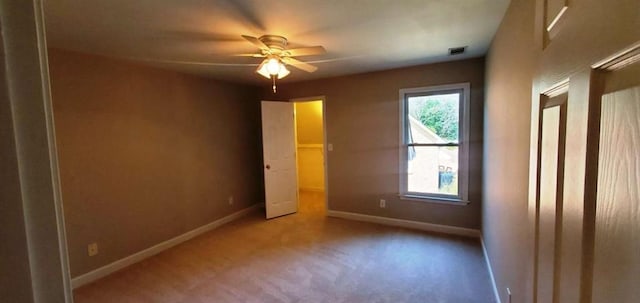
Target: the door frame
pixel 325 152
pixel 39 234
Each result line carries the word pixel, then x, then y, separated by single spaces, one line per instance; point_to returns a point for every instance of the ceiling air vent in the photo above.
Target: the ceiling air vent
pixel 457 50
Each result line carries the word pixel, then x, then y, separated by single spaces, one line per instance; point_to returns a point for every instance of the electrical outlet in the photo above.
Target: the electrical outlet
pixel 230 200
pixel 508 295
pixel 92 249
pixel 383 203
pixel 330 147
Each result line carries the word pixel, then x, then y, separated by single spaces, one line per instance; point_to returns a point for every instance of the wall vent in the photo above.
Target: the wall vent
pixel 457 50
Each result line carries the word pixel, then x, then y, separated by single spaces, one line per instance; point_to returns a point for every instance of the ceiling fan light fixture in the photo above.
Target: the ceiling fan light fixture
pixel 283 71
pixel 262 70
pixel 274 49
pixel 272 67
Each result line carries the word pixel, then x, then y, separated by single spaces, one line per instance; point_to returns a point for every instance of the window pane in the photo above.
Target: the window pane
pixel 433 170
pixel 433 118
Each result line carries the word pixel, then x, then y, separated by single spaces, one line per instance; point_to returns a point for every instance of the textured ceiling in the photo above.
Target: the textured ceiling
pixel 359 35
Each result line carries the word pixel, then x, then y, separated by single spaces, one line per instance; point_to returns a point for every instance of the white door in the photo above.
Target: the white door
pixel 279 154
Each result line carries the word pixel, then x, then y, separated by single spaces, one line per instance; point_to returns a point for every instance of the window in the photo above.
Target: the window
pixel 434 143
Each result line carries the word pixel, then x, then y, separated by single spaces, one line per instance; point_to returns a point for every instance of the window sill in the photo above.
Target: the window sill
pixel 437 200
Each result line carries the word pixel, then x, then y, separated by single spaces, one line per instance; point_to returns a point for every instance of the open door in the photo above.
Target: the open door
pixel 616 241
pixel 550 202
pixel 279 154
pixel 585 181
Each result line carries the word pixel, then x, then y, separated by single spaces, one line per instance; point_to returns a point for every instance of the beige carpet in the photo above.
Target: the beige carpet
pixel 304 257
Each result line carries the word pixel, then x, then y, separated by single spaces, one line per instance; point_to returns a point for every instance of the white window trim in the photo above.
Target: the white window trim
pixel 463 149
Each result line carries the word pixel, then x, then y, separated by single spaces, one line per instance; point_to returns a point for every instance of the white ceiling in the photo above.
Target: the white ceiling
pixel 359 35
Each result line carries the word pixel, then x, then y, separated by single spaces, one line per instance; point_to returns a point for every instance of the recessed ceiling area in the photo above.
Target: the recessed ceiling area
pixel 200 36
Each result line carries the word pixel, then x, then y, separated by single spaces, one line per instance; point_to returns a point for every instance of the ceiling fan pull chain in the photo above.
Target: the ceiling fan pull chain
pixel 274 83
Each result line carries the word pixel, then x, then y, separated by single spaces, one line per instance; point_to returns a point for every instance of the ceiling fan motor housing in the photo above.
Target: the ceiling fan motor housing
pixel 274 42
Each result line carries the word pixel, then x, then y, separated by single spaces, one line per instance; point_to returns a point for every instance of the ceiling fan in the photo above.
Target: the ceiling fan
pixel 277 56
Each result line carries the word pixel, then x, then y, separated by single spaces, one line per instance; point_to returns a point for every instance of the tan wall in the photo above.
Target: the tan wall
pixel 310 167
pixel 310 138
pixel 309 122
pixel 509 78
pixel 147 154
pixel 362 116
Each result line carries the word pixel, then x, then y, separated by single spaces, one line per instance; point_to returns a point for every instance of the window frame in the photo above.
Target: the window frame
pixel 463 144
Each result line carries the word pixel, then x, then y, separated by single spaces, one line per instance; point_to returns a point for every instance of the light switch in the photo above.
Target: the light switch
pixel 330 147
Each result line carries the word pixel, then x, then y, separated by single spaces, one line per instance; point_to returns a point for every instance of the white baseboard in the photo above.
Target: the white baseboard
pixel 406 223
pixel 493 279
pixel 154 250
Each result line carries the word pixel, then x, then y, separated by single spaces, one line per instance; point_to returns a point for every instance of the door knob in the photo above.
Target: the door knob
pixel 268 166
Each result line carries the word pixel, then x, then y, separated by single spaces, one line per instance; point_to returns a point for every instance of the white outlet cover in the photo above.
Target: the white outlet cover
pixel 383 203
pixel 330 147
pixel 92 249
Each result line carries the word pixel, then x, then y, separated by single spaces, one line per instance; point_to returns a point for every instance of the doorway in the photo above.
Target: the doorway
pixel 310 138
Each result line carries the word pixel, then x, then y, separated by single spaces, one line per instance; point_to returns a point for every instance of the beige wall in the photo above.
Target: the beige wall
pixel 509 78
pixel 362 116
pixel 310 137
pixel 310 167
pixel 309 122
pixel 147 154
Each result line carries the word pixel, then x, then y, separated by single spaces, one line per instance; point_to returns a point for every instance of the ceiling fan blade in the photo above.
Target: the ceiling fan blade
pixel 306 51
pixel 300 65
pixel 186 62
pixel 255 41
pixel 249 55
